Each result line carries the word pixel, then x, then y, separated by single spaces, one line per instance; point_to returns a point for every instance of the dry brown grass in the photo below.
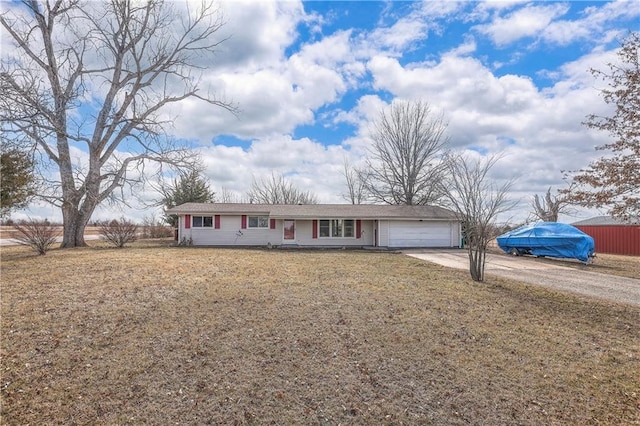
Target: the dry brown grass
pixel 623 266
pixel 156 335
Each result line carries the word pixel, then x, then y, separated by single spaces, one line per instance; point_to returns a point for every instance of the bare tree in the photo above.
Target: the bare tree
pixel 614 180
pixel 155 228
pixel 278 190
pixel 99 75
pixel 118 232
pixel 477 201
pixel 404 165
pixel 356 192
pixel 548 209
pixel 37 234
pixel 228 196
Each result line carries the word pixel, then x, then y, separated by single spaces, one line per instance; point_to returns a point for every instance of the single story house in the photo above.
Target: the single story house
pixel 612 235
pixel 316 225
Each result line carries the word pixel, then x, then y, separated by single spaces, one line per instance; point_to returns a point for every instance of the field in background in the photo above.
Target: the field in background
pixel 155 334
pixel 10 232
pixel 153 231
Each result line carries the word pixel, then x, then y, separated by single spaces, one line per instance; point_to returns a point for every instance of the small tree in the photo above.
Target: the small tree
pixel 17 182
pixel 40 235
pixel 404 165
pixel 614 181
pixel 477 202
pixel 118 232
pixel 278 190
pixel 191 187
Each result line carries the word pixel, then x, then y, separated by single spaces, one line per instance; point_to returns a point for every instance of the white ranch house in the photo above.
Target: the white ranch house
pixel 317 225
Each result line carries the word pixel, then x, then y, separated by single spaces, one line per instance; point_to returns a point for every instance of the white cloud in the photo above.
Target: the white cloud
pixel 409 31
pixel 528 21
pixel 484 9
pixel 563 32
pixel 308 164
pixel 277 97
pixel 256 33
pixel 542 22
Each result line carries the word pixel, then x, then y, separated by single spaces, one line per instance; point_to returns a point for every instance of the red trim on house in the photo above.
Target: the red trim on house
pixel 314 230
pixel 272 223
pixel 244 221
pixel 187 221
pixel 217 221
pixel 358 228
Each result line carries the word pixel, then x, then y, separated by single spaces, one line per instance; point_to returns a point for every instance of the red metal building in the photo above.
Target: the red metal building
pixel 611 235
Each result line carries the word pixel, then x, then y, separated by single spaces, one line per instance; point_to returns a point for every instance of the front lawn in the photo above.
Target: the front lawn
pixel 162 335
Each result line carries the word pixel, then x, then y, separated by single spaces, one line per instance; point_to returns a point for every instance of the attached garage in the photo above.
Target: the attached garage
pixel 418 233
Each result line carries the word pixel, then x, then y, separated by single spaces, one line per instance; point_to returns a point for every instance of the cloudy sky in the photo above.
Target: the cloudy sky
pixel 309 78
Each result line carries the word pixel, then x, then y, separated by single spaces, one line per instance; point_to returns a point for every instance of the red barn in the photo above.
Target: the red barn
pixel 612 235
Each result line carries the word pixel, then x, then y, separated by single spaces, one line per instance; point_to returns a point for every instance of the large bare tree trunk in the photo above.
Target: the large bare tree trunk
pixel 74 225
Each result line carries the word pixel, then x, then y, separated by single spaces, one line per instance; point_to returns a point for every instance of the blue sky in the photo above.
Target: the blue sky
pixel 310 78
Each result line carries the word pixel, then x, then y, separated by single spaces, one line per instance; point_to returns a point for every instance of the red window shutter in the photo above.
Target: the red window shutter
pixel 217 221
pixel 315 229
pixel 187 221
pixel 272 224
pixel 358 228
pixel 244 221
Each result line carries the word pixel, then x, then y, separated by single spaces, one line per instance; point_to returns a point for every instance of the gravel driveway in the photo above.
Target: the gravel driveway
pixel 526 269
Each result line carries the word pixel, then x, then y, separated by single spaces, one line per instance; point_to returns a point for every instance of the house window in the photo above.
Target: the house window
pixel 337 228
pixel 258 222
pixel 325 228
pixel 202 221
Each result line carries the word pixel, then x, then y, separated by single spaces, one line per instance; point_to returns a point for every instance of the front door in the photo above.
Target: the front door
pixel 289 229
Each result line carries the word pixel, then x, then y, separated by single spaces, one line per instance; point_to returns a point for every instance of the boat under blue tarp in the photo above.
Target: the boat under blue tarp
pixel 548 239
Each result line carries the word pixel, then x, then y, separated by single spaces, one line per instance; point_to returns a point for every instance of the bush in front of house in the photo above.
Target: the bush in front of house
pixel 118 232
pixel 40 235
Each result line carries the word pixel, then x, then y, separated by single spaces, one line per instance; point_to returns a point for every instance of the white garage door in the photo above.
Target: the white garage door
pixel 413 233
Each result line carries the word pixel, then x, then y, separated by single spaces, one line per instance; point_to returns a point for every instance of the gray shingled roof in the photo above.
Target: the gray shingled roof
pixel 601 221
pixel 314 211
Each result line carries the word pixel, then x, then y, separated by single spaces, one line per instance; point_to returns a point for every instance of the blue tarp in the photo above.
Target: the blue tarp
pixel 548 239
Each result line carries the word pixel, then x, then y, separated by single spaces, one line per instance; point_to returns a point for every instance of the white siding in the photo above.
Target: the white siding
pixel 383 233
pixel 414 233
pixel 456 234
pixel 304 236
pixel 232 234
